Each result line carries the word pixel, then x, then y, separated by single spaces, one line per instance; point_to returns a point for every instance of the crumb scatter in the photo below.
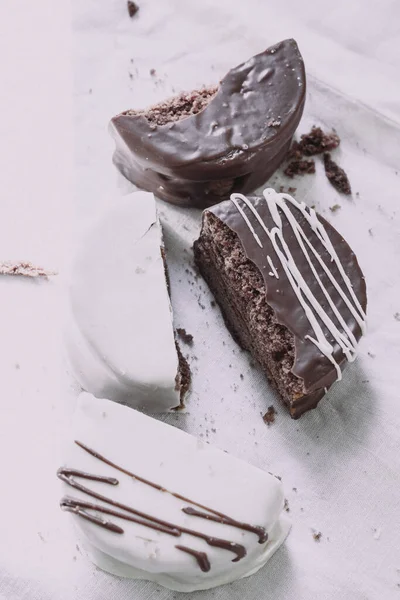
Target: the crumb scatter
pixel 269 416
pixel 336 175
pixel 314 142
pixel 187 338
pixel 24 269
pixel 300 167
pixel 132 8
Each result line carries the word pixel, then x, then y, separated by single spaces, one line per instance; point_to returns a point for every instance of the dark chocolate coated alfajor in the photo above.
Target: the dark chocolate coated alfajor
pixel 290 288
pixel 234 144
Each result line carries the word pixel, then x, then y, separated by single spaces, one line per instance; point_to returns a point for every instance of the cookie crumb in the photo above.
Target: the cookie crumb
pixel 269 416
pixel 397 316
pixel 317 536
pixel 213 303
pixel 300 167
pixel 294 152
pixel 294 489
pixel 286 505
pixel 289 190
pixel 152 72
pixel 187 338
pixel 336 175
pixel 335 207
pixel 24 269
pixel 242 376
pixel 132 8
pixel 318 142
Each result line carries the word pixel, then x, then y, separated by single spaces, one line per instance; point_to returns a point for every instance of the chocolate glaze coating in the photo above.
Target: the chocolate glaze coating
pixel 310 365
pixel 232 145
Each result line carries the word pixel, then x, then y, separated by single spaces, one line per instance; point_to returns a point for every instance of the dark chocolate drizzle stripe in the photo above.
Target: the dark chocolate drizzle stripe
pixel 218 518
pixel 149 520
pixel 77 506
pixel 80 508
pixel 201 557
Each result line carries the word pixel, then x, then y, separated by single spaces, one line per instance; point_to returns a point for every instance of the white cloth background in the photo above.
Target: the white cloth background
pixel 344 458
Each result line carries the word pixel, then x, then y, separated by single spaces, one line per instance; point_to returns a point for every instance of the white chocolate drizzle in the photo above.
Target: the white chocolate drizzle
pixel 315 313
pixel 249 225
pixel 271 264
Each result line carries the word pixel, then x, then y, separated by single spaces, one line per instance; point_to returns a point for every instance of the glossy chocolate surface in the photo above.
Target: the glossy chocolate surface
pixel 316 371
pixel 233 145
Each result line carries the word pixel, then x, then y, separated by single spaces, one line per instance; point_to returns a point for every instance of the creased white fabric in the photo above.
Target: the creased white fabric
pixel 340 464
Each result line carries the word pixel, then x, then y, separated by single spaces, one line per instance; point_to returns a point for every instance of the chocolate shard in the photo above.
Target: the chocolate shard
pixel 196 149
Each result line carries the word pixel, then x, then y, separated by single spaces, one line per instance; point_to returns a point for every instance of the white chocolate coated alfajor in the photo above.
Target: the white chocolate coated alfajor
pixel 153 502
pixel 119 335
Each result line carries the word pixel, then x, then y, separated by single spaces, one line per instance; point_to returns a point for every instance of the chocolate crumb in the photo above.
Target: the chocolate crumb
pixel 132 8
pixel 187 338
pixel 24 269
pixel 213 303
pixel 269 416
pixel 371 354
pixel 294 489
pixel 370 232
pixel 336 175
pixel 317 536
pixel 286 505
pixel 289 190
pixel 242 376
pixel 152 72
pixel 295 152
pixel 300 167
pixel 397 316
pixel 317 142
pixel 130 75
pixel 335 207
